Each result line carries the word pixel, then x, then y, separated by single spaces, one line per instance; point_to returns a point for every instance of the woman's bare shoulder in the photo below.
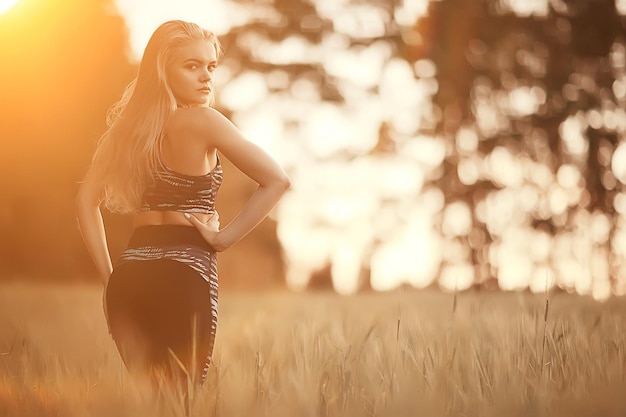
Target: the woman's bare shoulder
pixel 201 120
pixel 206 124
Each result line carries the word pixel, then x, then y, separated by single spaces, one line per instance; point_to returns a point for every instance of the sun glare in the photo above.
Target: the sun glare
pixel 5 5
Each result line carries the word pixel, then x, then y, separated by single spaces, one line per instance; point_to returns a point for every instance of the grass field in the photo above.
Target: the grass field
pixel 279 354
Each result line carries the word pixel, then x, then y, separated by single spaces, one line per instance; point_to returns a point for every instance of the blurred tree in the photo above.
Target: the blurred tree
pixel 271 23
pixel 63 64
pixel 274 22
pixel 259 46
pixel 537 85
pixel 566 59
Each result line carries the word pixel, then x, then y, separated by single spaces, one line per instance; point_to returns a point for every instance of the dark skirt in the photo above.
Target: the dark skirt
pixel 162 302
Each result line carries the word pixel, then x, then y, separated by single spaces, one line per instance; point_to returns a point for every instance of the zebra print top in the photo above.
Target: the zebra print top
pixel 173 191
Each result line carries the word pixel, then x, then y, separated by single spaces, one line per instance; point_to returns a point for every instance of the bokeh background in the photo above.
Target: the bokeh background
pixel 453 143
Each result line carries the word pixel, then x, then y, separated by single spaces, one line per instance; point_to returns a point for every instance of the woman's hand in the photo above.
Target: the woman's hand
pixel 209 230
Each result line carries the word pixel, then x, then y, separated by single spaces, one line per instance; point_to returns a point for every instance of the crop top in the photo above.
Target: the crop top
pixel 173 191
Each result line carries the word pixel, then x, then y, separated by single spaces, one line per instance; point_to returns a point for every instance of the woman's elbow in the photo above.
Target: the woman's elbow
pixel 285 182
pixel 277 185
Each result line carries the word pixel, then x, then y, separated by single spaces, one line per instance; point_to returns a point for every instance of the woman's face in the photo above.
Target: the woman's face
pixel 190 72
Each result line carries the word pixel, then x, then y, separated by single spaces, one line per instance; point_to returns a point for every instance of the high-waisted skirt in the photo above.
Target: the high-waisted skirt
pixel 161 301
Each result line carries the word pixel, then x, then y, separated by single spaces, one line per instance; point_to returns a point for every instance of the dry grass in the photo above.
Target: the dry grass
pixel 398 354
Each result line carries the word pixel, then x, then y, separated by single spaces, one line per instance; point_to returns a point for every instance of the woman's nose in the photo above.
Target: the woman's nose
pixel 206 75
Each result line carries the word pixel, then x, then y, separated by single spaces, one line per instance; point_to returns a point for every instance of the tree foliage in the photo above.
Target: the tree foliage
pixel 564 60
pixel 572 56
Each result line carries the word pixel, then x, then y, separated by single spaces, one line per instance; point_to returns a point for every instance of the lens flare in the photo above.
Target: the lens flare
pixel 5 5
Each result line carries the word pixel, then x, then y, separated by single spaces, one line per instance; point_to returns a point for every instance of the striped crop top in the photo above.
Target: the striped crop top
pixel 173 191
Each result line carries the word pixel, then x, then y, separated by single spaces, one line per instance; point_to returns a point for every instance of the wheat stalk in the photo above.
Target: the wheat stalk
pixel 545 326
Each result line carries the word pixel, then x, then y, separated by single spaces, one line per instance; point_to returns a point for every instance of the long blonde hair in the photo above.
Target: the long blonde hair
pixel 129 152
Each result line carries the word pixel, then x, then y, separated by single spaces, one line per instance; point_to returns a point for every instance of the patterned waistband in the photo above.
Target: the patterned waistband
pixel 183 244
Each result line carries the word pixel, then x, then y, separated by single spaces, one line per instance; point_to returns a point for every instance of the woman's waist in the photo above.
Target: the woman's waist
pixel 167 237
pixel 161 218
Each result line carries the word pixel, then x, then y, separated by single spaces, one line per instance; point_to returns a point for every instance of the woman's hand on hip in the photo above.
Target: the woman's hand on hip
pixel 209 230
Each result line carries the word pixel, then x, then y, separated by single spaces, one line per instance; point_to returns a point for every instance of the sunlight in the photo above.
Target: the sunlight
pixel 143 16
pixel 5 5
pixel 527 7
pixel 410 256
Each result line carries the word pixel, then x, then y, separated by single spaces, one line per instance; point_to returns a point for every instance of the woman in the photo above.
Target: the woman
pixel 160 161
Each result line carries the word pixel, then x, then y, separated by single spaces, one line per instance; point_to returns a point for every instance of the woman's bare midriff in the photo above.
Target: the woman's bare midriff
pixel 158 218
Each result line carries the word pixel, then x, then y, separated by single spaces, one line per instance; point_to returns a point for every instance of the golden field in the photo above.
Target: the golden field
pixel 403 353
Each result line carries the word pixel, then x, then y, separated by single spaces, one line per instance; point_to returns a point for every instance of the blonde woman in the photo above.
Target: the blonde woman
pixel 160 161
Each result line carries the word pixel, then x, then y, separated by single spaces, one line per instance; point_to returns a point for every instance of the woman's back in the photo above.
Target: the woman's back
pixel 190 179
pixel 185 149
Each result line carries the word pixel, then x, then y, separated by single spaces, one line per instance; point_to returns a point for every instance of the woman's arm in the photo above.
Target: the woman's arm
pixel 92 226
pixel 249 159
